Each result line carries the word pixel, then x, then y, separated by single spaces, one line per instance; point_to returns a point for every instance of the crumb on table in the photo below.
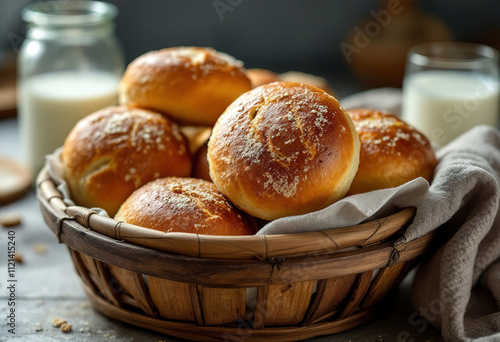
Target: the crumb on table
pixel 66 327
pixel 18 258
pixel 57 322
pixel 39 248
pixel 10 220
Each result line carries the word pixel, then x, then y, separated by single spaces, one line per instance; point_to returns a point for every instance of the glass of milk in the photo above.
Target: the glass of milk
pixel 69 66
pixel 450 88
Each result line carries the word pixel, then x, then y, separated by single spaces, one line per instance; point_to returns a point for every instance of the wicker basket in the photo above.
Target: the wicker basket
pixel 252 288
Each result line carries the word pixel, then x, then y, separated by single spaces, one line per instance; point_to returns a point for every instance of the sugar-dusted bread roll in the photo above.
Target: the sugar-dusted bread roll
pixel 392 152
pixel 185 205
pixel 192 85
pixel 283 149
pixel 114 151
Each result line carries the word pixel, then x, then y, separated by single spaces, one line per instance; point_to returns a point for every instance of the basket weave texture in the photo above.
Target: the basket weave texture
pixel 221 288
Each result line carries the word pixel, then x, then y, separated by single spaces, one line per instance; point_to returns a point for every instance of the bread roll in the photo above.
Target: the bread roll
pixel 114 151
pixel 302 77
pixel 197 136
pixel 261 76
pixel 191 85
pixel 283 149
pixel 198 139
pixel 201 168
pixel 392 152
pixel 184 205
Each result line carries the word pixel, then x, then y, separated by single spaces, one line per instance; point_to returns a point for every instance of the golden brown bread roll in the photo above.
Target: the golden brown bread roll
pixel 201 168
pixel 198 139
pixel 283 149
pixel 192 85
pixel 302 77
pixel 114 151
pixel 392 152
pixel 196 135
pixel 184 205
pixel 261 76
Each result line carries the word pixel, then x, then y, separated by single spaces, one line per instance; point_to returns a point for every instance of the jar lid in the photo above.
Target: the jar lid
pixel 69 13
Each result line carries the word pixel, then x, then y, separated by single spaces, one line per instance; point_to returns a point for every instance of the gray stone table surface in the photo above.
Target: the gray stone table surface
pixel 47 287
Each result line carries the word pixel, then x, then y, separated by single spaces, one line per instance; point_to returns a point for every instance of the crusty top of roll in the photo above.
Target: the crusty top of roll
pixel 113 151
pixel 392 152
pixel 283 149
pixel 192 85
pixel 185 205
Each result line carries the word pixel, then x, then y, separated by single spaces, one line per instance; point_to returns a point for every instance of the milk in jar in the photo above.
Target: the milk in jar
pixel 69 65
pixel 52 103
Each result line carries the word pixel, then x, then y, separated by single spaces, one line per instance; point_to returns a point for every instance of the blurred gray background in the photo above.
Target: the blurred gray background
pixel 284 35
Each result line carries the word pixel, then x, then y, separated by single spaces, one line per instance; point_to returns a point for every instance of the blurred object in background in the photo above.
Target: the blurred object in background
pixel 7 85
pixel 301 77
pixel 489 37
pixel 260 77
pixel 449 88
pixel 284 35
pixel 15 180
pixel 10 40
pixel 377 48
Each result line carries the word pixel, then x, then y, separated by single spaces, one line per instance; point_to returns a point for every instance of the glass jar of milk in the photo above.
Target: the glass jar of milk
pixel 450 88
pixel 69 65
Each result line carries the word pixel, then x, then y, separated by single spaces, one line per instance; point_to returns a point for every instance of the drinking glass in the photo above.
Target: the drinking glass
pixel 449 88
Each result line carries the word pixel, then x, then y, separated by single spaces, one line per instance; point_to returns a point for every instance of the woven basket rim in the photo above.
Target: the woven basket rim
pixel 325 259
pixel 226 247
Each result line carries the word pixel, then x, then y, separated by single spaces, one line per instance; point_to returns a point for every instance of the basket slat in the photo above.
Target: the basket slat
pixel 382 284
pixel 221 306
pixel 82 271
pixel 133 284
pixel 195 300
pixel 210 334
pixel 99 277
pixel 285 304
pixel 107 285
pixel 172 299
pixel 128 300
pixel 330 294
pixel 260 308
pixel 359 290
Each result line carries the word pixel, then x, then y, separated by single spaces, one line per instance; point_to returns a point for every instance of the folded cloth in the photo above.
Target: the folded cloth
pixel 352 210
pixel 464 200
pixel 464 197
